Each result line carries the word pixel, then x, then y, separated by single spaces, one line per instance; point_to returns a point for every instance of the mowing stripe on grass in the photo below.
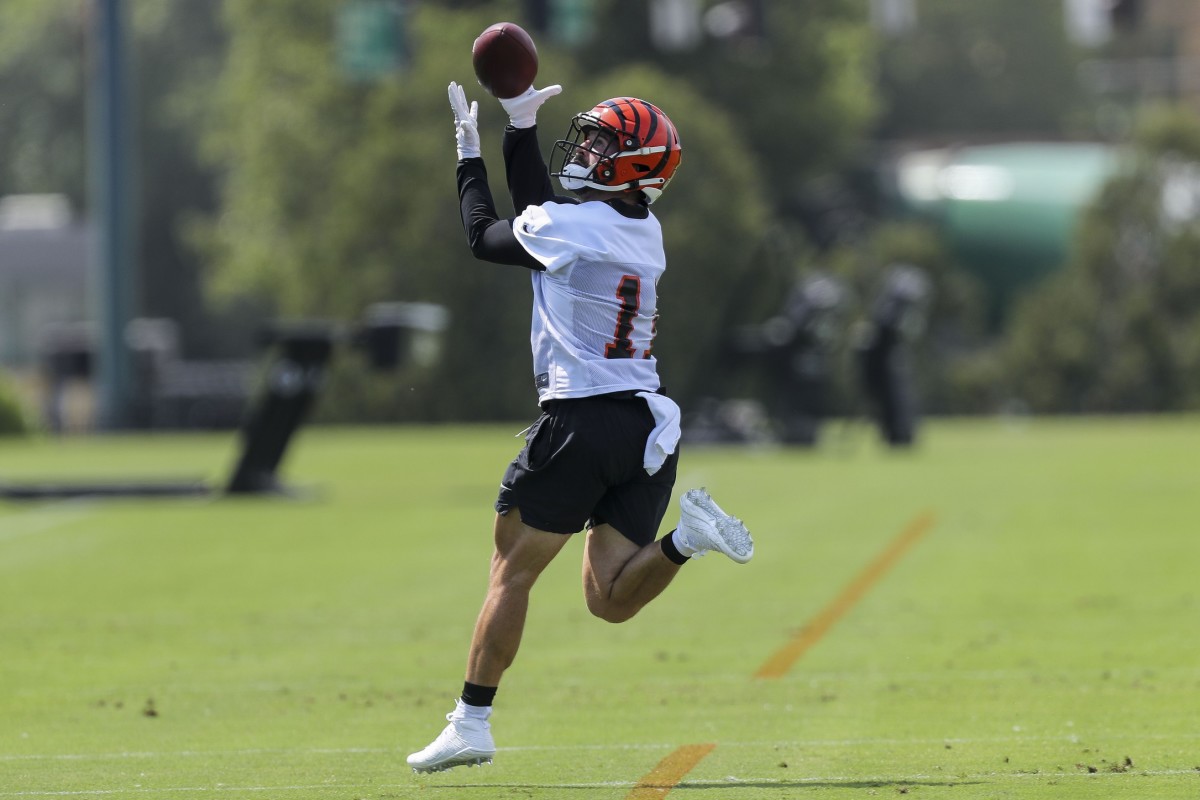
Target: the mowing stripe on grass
pixel 664 777
pixel 38 520
pixel 783 658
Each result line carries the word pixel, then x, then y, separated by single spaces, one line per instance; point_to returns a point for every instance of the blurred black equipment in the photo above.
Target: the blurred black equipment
pixel 797 346
pixel 67 354
pixel 290 389
pixel 300 355
pixel 897 317
pixel 294 378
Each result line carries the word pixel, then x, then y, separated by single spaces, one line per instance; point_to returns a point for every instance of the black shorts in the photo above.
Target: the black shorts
pixel 582 466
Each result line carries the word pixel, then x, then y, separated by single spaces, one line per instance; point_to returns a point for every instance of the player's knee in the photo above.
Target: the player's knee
pixel 611 612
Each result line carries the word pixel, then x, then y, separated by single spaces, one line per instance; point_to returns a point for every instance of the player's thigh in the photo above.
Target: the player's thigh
pixel 522 552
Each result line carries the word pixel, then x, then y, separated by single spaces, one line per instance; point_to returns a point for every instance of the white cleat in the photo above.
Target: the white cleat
pixel 707 527
pixel 464 742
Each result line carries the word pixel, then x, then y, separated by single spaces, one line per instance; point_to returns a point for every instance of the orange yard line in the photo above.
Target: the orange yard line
pixel 669 772
pixel 810 634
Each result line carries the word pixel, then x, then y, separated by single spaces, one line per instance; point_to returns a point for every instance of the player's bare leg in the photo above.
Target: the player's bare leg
pixel 520 556
pixel 619 577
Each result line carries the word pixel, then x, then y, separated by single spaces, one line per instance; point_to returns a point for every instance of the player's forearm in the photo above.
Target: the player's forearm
pixel 525 169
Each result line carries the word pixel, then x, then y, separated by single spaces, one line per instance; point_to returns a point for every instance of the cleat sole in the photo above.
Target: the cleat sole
pixel 475 761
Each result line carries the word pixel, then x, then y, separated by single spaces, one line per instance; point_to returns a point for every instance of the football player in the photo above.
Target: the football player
pixel 602 455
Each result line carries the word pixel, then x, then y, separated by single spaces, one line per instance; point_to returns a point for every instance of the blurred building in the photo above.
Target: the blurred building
pixel 1007 210
pixel 43 273
pixel 1179 20
pixel 43 302
pixel 48 340
pixel 1146 49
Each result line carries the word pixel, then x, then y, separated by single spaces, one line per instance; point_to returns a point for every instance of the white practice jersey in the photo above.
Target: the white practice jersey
pixel 595 306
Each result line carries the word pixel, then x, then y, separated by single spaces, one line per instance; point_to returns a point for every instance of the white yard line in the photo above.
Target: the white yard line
pixel 800 743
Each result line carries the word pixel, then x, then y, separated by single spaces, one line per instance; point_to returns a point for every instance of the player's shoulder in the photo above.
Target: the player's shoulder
pixel 557 215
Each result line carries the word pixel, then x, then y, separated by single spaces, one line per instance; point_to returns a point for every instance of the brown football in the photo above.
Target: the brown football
pixel 505 60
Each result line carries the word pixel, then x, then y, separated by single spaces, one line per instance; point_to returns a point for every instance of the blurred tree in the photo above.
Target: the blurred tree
pixel 43 82
pixel 954 328
pixel 180 50
pixel 795 77
pixel 1119 329
pixel 14 417
pixel 986 68
pixel 338 194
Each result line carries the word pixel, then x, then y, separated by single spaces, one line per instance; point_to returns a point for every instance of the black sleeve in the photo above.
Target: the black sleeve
pixel 490 238
pixel 528 179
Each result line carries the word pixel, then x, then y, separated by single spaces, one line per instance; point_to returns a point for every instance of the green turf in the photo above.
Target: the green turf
pixel 1039 642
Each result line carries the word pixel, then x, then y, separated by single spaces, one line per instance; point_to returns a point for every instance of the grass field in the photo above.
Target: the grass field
pixel 1009 611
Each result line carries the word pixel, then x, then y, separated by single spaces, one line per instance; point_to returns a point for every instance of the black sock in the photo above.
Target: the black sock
pixel 476 695
pixel 667 543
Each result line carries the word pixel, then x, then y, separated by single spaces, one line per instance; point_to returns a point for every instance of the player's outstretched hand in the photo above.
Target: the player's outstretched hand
pixel 522 109
pixel 466 122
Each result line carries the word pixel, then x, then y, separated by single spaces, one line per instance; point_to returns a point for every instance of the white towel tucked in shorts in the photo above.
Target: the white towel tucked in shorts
pixel 665 437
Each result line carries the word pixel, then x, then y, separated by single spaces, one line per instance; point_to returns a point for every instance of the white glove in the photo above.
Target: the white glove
pixel 522 109
pixel 466 122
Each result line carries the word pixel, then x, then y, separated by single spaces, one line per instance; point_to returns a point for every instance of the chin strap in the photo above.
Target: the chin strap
pixel 574 181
